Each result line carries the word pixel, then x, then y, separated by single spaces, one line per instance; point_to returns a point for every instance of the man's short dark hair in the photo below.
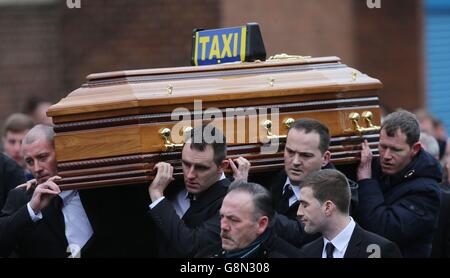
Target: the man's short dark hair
pixel 406 122
pixel 207 134
pixel 329 184
pixel 17 123
pixel 261 197
pixel 311 125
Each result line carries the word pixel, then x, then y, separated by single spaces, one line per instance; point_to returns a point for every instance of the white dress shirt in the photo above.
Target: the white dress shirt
pixel 295 188
pixel 78 229
pixel 340 241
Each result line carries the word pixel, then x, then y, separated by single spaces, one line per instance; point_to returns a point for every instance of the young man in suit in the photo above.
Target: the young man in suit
pixel 188 218
pixel 42 221
pixel 306 151
pixel 324 208
pixel 246 219
pixel 399 193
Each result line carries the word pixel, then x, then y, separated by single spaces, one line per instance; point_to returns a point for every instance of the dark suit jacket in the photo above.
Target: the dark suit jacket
pixel 11 175
pixel 44 238
pixel 358 247
pixel 199 226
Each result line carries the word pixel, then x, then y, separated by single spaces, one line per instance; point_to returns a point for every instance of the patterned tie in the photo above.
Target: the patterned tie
pixel 329 248
pixel 283 205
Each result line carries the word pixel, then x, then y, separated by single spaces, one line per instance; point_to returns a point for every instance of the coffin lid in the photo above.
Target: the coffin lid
pixel 127 91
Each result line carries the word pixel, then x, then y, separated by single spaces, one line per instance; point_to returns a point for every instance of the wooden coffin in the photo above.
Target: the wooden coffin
pixel 113 129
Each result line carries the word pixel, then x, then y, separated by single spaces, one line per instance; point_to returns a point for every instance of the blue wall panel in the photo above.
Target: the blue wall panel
pixel 437 34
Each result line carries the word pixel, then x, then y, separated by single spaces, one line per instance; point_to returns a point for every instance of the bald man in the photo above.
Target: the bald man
pixel 42 221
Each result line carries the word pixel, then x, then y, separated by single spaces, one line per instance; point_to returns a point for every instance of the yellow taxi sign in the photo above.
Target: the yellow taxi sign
pixel 216 46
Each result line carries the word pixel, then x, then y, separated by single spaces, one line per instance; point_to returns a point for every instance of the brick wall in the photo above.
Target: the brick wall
pixel 385 43
pixel 389 45
pixel 117 35
pixel 48 49
pixel 316 28
pixel 30 55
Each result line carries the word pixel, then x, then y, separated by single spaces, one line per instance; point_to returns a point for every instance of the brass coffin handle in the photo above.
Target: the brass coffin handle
pixel 267 124
pixel 367 116
pixel 169 146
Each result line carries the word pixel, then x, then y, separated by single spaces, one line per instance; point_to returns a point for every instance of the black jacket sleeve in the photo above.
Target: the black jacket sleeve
pixel 11 175
pixel 15 222
pixel 187 241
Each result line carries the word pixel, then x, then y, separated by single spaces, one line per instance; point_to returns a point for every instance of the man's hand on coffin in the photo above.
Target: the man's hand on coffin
pixel 240 172
pixel 44 193
pixel 364 170
pixel 164 176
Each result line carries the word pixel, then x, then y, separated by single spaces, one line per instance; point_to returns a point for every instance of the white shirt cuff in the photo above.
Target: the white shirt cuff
pixel 152 205
pixel 34 217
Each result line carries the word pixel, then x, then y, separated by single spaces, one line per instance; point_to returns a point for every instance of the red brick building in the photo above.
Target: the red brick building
pixel 47 49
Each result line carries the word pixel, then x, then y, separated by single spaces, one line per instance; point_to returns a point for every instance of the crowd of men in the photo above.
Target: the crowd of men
pixel 397 206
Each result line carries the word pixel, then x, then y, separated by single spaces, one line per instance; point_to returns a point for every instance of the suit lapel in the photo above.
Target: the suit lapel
pixel 315 248
pixel 91 208
pixel 277 187
pixel 319 248
pixel 354 245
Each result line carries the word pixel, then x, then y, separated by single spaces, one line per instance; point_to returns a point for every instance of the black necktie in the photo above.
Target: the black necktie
pixel 58 204
pixel 329 248
pixel 192 207
pixel 283 205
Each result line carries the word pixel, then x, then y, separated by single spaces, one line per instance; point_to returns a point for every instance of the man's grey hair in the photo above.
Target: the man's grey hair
pixel 261 197
pixel 429 144
pixel 39 131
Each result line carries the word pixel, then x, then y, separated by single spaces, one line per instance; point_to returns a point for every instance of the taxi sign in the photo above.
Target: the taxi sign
pixel 217 46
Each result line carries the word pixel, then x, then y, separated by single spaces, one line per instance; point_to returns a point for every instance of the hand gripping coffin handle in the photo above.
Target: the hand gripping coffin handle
pixel 367 116
pixel 267 124
pixel 169 146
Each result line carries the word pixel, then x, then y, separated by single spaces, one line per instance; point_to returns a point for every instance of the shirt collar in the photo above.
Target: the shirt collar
pixel 341 241
pixel 67 195
pixel 294 188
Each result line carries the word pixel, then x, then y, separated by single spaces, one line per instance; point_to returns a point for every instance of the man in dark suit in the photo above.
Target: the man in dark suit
pixel 324 208
pixel 188 218
pixel 247 216
pixel 43 221
pixel 399 195
pixel 306 151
